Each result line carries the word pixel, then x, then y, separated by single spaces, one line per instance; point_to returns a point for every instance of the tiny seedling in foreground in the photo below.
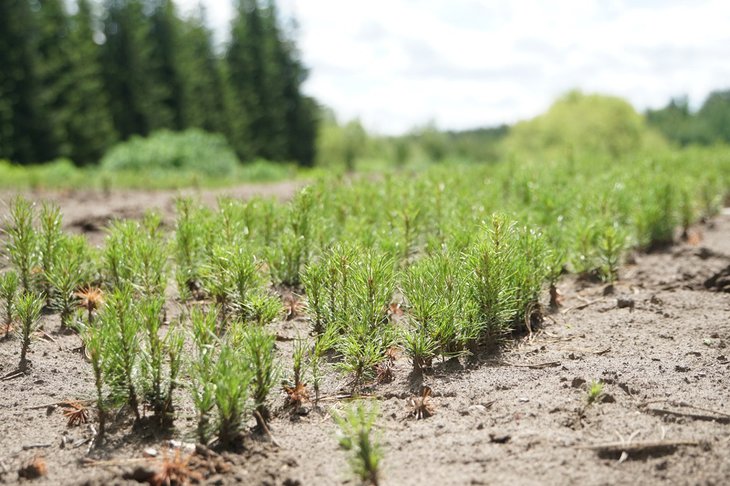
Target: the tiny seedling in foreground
pixel 595 392
pixel 357 436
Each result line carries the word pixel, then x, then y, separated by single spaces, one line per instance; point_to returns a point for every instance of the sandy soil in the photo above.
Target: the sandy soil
pixel 659 343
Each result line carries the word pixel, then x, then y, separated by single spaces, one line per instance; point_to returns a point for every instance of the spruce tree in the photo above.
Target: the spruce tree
pixel 137 97
pixel 205 90
pixel 90 130
pixel 25 135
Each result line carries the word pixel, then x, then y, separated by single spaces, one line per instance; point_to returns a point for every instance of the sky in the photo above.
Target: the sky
pixel 398 64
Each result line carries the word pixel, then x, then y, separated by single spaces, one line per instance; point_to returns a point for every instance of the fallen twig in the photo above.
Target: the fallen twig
pixel 58 404
pixel 92 441
pixel 266 428
pixel 694 416
pixel 685 405
pixel 47 336
pixel 582 306
pixel 344 396
pixel 35 446
pixel 589 351
pixel 86 462
pixel 646 447
pixel 537 366
pixel 12 375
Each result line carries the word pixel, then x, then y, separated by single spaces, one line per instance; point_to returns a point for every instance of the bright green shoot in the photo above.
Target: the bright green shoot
pixel 595 391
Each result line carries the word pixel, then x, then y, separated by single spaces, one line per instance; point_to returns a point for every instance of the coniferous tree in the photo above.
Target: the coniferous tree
pixel 24 127
pixel 137 99
pixel 165 53
pixel 204 96
pixel 90 128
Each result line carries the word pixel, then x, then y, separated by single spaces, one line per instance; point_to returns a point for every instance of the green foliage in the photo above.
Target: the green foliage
pixel 28 307
pixel 160 353
pixel 232 377
pixel 135 256
pixel 8 290
pixel 358 438
pixel 68 275
pixel 49 239
pixel 595 392
pixel 189 151
pixel 658 216
pixel 203 369
pixel 22 245
pixel 508 270
pixel 441 316
pixel 288 258
pixel 122 347
pixel 581 124
pixel 258 349
pixel 94 338
pixel 611 244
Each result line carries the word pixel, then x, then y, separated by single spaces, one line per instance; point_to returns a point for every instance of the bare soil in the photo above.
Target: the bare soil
pixel 658 341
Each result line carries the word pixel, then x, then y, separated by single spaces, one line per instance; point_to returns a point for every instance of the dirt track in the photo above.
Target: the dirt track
pixel 659 343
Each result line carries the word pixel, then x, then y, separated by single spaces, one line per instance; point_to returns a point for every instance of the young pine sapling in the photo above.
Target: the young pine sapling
pixel 8 290
pixel 28 308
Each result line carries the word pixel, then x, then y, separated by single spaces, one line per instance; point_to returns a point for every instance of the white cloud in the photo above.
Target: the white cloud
pixel 465 63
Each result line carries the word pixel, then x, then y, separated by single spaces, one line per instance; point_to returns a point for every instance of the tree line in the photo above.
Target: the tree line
pixel 76 78
pixel 710 124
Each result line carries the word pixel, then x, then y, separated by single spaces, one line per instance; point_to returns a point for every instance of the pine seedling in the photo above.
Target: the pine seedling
pixel 8 290
pixel 50 240
pixel 232 378
pixel 657 218
pixel 121 346
pixel 297 393
pixel 117 266
pixel 583 259
pixel 22 242
pixel 94 340
pixel 314 278
pixel 203 369
pixel 64 279
pixel 244 279
pixel 262 308
pixel 174 342
pixel 420 347
pixel 188 247
pixel 258 348
pixel 151 315
pixel 358 437
pixel 290 256
pixel 493 263
pixel 218 281
pixel 595 392
pixel 611 244
pixel 554 262
pixel 28 307
pixel 323 343
pixel 360 351
pixel 149 258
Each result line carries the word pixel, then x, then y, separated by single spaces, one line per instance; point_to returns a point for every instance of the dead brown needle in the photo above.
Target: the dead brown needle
pixel 421 407
pixel 175 471
pixel 296 395
pixel 90 298
pixel 76 413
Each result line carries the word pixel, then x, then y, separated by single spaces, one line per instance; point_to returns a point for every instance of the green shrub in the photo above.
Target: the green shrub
pixel 192 150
